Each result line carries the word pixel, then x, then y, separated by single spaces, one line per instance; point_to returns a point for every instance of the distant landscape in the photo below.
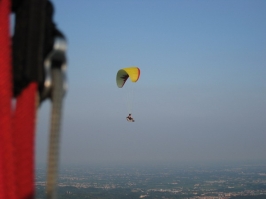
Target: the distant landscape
pixel 172 182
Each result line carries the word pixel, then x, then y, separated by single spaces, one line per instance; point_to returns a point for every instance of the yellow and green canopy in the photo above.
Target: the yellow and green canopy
pixel 122 75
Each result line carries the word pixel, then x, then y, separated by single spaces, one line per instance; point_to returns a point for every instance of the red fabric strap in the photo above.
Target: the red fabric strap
pixel 17 141
pixel 24 134
pixel 7 177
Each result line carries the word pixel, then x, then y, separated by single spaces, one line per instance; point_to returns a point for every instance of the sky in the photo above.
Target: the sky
pixel 202 90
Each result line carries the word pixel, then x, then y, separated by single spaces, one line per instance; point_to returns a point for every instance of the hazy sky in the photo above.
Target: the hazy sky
pixel 202 91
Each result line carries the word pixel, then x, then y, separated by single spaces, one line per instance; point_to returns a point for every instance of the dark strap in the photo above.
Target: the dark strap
pixel 33 40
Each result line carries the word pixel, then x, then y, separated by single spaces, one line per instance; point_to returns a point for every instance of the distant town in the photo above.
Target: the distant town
pixel 219 182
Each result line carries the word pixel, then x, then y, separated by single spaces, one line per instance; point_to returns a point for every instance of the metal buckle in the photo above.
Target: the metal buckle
pixel 55 59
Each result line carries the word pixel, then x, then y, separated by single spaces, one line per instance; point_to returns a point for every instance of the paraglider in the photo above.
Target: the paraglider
pixel 133 73
pixel 129 118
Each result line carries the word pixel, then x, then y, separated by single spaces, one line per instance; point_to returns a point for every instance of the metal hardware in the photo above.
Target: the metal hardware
pixel 55 59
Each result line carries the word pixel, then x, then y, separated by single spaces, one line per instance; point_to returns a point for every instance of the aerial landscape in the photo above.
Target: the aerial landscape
pixel 199 182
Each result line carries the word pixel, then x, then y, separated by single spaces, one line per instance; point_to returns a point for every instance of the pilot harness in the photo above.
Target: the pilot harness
pixel 32 69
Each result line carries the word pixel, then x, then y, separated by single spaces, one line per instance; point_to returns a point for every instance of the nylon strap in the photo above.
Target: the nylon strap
pixel 16 132
pixel 24 139
pixel 7 175
pixel 53 156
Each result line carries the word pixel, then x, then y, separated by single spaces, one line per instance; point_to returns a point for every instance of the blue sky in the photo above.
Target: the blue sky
pixel 201 95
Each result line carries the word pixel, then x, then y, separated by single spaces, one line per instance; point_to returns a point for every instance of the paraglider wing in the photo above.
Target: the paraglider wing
pixel 122 75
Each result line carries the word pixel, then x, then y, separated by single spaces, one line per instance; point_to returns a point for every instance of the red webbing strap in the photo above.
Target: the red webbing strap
pixel 17 141
pixel 7 176
pixel 24 134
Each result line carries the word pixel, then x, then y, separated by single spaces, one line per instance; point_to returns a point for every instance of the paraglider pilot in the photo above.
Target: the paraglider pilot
pixel 129 118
